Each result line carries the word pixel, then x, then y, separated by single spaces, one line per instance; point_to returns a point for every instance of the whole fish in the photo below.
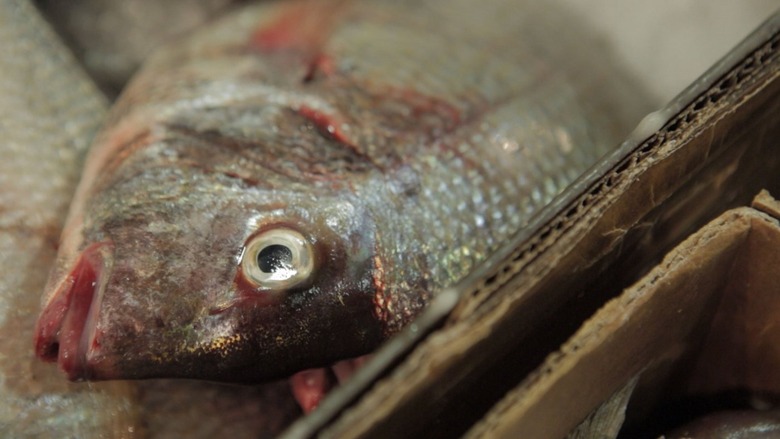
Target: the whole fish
pixel 49 111
pixel 292 184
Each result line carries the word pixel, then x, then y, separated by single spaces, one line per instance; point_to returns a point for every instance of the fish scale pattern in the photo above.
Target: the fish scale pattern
pixel 478 191
pixel 48 113
pixel 531 114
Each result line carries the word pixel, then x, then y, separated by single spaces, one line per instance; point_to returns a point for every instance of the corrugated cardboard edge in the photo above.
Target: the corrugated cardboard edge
pixel 637 331
pixel 767 204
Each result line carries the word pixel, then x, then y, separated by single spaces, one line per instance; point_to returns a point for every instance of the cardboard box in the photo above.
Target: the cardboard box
pixel 702 324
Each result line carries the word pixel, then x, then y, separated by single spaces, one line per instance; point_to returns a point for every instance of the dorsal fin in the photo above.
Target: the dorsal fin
pixel 303 26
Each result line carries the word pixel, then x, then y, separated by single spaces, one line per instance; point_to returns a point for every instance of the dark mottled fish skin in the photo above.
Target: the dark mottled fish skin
pixel 49 111
pixel 403 156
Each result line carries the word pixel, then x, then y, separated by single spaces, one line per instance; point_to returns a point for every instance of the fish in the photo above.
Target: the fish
pixel 49 111
pixel 112 38
pixel 291 185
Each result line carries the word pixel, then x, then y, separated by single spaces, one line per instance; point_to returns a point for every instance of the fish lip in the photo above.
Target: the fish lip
pixel 66 331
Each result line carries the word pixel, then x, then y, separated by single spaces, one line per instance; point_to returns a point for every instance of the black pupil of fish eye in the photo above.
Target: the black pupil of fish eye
pixel 274 258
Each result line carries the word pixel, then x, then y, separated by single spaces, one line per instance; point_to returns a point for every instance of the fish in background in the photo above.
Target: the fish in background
pixel 293 183
pixel 49 112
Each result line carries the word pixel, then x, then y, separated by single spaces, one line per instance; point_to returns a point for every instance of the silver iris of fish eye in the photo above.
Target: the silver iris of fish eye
pixel 278 259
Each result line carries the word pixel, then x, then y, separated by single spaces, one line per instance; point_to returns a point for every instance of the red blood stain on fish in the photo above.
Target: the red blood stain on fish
pixel 329 125
pixel 410 112
pixel 422 105
pixel 408 117
pixel 248 296
pixel 302 25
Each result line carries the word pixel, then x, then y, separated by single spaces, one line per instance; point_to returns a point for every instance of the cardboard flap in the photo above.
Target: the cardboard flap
pixel 704 321
pixel 742 349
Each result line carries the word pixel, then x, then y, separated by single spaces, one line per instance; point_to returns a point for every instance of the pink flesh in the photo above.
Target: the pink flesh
pixel 310 386
pixel 65 326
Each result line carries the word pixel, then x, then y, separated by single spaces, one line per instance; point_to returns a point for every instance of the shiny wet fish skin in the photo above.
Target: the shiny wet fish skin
pixel 49 111
pixel 402 161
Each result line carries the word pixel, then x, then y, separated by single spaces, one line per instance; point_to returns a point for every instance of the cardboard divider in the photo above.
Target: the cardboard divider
pixel 742 349
pixel 702 322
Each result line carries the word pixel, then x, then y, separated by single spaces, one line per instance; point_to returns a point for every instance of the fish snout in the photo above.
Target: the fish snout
pixel 66 331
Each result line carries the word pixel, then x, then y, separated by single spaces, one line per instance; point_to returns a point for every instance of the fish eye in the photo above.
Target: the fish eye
pixel 278 259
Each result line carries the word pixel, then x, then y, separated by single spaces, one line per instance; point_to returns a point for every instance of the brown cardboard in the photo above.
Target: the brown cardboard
pixel 742 348
pixel 707 313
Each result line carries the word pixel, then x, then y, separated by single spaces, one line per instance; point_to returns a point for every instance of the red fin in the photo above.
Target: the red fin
pixel 310 387
pixel 303 27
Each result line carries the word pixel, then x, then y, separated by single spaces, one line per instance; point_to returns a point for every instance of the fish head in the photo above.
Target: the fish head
pixel 198 274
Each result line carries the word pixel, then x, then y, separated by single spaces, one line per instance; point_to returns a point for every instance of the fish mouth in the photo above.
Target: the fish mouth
pixel 66 331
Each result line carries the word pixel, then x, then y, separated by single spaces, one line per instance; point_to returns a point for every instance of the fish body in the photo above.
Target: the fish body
pixel 49 111
pixel 293 184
